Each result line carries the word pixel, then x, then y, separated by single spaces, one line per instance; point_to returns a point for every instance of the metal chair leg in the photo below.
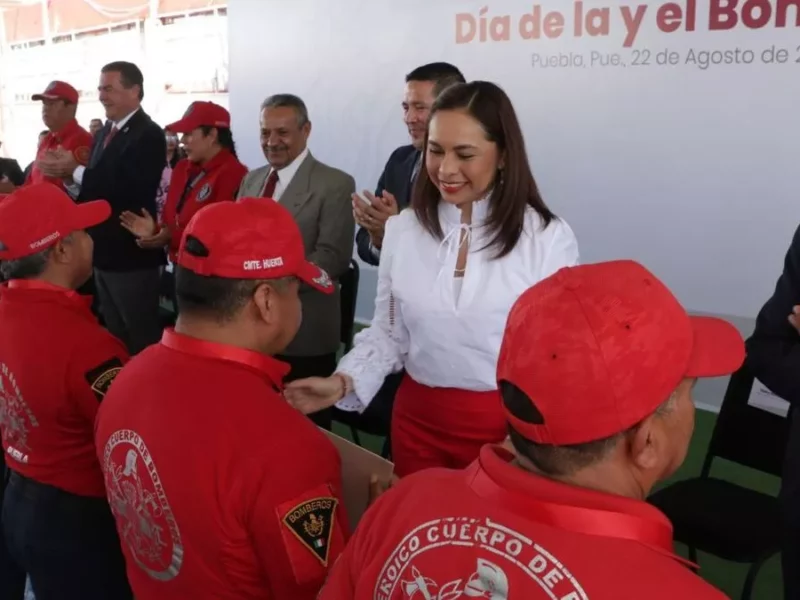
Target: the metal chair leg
pixel 750 580
pixel 693 558
pixel 354 434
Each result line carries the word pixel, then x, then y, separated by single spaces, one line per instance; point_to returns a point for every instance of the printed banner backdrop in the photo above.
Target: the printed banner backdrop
pixel 661 131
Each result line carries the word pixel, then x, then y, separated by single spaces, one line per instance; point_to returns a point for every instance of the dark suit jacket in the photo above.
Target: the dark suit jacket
pixel 395 179
pixel 127 173
pixel 773 354
pixel 319 198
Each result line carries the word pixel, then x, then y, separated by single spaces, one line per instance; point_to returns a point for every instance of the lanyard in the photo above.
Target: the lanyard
pixel 186 191
pixel 655 535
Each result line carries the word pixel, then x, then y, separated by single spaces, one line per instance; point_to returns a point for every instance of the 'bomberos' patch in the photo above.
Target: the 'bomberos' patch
pixel 81 155
pixel 139 502
pixel 102 376
pixel 312 522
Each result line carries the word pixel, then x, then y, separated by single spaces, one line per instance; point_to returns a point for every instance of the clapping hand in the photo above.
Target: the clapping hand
pixel 142 226
pixel 373 216
pixel 145 228
pixel 57 163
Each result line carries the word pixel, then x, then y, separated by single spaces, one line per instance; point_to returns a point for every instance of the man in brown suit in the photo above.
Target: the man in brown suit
pixel 319 197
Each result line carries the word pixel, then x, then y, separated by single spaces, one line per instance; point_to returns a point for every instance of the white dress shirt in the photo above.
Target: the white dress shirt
pixel 286 174
pixel 447 333
pixel 77 174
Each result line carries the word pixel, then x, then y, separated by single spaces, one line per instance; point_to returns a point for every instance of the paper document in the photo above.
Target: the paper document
pixel 358 466
pixel 761 397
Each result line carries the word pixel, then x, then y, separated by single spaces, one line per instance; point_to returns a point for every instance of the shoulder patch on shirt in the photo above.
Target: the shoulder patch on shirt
pixel 312 522
pixel 81 155
pixel 101 377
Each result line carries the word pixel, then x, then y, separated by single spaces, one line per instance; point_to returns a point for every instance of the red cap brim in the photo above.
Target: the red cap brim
pixel 90 214
pixel 183 126
pixel 718 348
pixel 315 277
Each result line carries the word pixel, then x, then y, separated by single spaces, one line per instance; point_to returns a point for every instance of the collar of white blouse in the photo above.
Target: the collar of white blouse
pixel 453 240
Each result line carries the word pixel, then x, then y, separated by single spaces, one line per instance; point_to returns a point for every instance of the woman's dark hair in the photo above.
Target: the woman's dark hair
pixel 224 137
pixel 514 189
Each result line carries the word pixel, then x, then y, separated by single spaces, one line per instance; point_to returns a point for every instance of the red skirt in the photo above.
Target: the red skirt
pixel 442 427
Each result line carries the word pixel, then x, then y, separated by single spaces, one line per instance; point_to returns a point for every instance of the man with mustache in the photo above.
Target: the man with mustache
pixel 319 198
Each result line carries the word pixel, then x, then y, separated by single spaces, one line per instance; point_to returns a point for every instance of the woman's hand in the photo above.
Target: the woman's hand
pixel 314 394
pixel 142 226
pixel 159 240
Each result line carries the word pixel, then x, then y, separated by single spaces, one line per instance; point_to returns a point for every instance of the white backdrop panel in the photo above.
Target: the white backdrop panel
pixel 690 170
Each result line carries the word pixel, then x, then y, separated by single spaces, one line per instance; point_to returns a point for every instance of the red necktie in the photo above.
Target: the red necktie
pixel 112 132
pixel 269 186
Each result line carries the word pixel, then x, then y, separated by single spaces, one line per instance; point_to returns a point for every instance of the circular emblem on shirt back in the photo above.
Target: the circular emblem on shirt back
pixel 16 417
pixel 139 502
pixel 204 193
pixel 464 557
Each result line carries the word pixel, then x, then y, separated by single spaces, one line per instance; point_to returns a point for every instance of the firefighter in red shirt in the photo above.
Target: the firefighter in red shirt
pixel 210 173
pixel 56 365
pixel 221 490
pixel 59 103
pixel 596 373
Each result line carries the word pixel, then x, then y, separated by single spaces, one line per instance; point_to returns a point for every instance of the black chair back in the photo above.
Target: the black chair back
pixel 349 296
pixel 745 434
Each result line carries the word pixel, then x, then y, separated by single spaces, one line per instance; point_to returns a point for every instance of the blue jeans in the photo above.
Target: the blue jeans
pixel 12 578
pixel 67 544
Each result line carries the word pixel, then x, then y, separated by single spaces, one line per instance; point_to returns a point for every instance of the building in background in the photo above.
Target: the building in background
pixel 180 45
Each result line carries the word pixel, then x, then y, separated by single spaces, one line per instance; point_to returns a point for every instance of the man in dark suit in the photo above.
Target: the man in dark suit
pixel 773 353
pixel 393 193
pixel 127 159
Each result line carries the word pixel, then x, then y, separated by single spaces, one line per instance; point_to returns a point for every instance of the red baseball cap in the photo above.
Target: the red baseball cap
pixel 58 90
pixel 598 348
pixel 34 217
pixel 253 238
pixel 201 114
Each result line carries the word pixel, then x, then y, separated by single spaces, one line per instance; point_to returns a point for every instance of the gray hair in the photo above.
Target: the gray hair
pixel 289 101
pixel 26 267
pixel 563 461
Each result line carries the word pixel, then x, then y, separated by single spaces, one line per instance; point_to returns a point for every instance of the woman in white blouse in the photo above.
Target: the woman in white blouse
pixel 478 234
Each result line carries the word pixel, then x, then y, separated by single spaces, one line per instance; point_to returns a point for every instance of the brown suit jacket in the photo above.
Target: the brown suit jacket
pixel 319 197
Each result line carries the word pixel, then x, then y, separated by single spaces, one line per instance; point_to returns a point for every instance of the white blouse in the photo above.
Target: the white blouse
pixel 447 334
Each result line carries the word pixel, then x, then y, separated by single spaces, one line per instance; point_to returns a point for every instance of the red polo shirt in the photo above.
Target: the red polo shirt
pixel 56 364
pixel 72 137
pixel 193 186
pixel 220 489
pixel 459 534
